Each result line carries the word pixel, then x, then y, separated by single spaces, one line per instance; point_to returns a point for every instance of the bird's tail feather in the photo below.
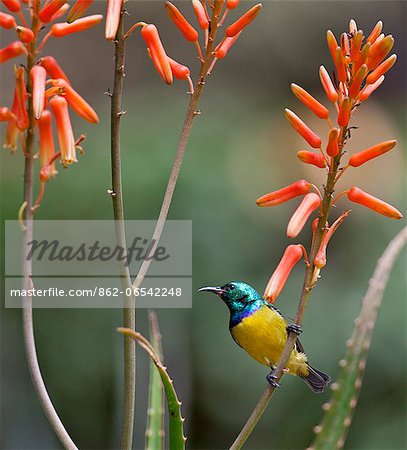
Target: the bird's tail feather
pixel 316 380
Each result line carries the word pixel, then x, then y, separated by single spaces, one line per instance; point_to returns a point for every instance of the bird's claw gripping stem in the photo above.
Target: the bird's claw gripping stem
pixel 271 378
pixel 294 328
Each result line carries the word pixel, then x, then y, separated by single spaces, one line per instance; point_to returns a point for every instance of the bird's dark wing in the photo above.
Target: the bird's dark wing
pixel 278 311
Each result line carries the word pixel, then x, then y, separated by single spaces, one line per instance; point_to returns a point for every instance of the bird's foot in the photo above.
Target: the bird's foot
pixel 294 328
pixel 271 378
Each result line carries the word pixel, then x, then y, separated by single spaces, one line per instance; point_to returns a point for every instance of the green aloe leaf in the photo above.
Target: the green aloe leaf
pixel 331 433
pixel 155 413
pixel 176 421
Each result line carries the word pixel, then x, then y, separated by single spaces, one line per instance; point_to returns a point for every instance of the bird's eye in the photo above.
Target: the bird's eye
pixel 230 287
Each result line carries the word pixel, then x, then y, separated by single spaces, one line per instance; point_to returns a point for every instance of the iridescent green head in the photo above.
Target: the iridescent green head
pixel 236 294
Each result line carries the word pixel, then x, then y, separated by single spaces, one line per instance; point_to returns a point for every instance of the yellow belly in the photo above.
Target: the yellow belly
pixel 263 335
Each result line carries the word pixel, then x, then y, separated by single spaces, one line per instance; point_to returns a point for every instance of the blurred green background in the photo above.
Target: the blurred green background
pixel 241 147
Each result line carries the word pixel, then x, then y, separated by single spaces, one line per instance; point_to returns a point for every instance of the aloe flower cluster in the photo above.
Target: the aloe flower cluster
pixel 360 65
pixel 43 94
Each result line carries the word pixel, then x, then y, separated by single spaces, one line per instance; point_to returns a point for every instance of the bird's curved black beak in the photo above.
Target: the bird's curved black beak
pixel 215 289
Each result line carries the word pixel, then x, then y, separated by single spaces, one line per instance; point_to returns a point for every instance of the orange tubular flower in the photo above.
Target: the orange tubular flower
pixel 246 19
pixel 66 139
pixel 356 195
pixel 182 24
pixel 303 129
pixel 20 100
pixel 356 45
pixel 232 4
pixel 360 158
pixel 309 204
pixel 76 102
pixel 157 52
pixel 181 72
pixel 364 53
pixel 114 9
pixel 61 12
pixel 223 48
pixel 292 255
pixel 50 9
pixel 47 148
pixel 320 257
pixel 384 67
pixel 344 112
pixel 327 84
pixel 375 32
pixel 53 68
pixel 369 89
pixel 200 14
pixel 300 187
pixel 12 5
pixel 339 62
pixel 38 77
pixel 316 159
pixel 25 34
pixel 78 9
pixel 357 81
pixel 59 30
pixel 378 51
pixel 332 149
pixel 309 101
pixel 12 133
pixel 7 21
pixel 13 50
pixel 345 46
pixel 332 44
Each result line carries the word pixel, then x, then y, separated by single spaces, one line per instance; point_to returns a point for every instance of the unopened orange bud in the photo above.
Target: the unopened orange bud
pixel 6 115
pixel 13 50
pixel 356 44
pixel 50 9
pixel 308 205
pixel 232 4
pixel 340 65
pixel 38 77
pixel 356 195
pixel 7 21
pixel 114 9
pixel 303 129
pixel 47 147
pixel 369 89
pixel 320 257
pixel 300 187
pixel 53 68
pixel 360 158
pixel 379 51
pixel 357 81
pixel 20 100
pixel 77 103
pixel 353 28
pixel 223 48
pixel 384 67
pixel 344 112
pixel 332 44
pixel 183 25
pixel 327 84
pixel 25 34
pixel 291 256
pixel 12 5
pixel 375 32
pixel 345 46
pixel 78 9
pixel 316 159
pixel 364 53
pixel 246 19
pixel 332 149
pixel 59 30
pixel 200 14
pixel 178 70
pixel 66 139
pixel 157 52
pixel 61 12
pixel 313 104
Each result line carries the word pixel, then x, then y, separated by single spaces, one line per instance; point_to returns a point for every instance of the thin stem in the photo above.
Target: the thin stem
pixel 311 275
pixel 129 312
pixel 191 113
pixel 28 325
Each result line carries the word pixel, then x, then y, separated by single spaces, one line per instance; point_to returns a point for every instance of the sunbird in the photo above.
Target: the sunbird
pixel 261 331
